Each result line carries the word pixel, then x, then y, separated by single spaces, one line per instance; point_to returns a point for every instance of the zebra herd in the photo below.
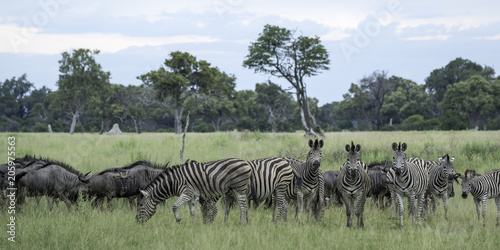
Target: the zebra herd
pixel 275 181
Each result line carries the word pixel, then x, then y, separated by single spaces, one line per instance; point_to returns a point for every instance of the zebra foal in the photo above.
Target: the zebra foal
pixel 353 184
pixel 440 179
pixel 482 187
pixel 229 178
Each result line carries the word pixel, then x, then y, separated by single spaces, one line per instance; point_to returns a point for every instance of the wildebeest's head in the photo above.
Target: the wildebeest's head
pixel 353 158
pixel 399 157
pixel 314 156
pixel 146 208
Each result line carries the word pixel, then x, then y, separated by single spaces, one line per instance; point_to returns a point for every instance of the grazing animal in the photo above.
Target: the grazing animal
pixel 353 183
pixel 140 174
pixel 411 180
pixel 332 195
pixel 482 187
pixel 271 177
pixel 229 178
pixel 440 180
pixel 107 185
pixel 56 181
pixel 307 179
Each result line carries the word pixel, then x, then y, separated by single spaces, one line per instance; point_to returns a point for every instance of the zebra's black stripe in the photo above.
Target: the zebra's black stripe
pixel 228 177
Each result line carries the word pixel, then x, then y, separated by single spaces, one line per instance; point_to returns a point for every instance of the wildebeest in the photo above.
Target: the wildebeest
pixel 57 181
pixel 378 181
pixel 140 174
pixel 107 185
pixel 332 195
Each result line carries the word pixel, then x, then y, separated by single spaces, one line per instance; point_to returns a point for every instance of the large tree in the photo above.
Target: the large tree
pixel 14 93
pixel 454 72
pixel 81 78
pixel 475 99
pixel 279 53
pixel 175 82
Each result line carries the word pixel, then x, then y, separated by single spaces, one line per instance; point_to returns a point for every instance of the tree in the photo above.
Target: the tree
pixel 80 80
pixel 473 99
pixel 175 82
pixel 275 102
pixel 14 93
pixel 378 87
pixel 278 53
pixel 454 72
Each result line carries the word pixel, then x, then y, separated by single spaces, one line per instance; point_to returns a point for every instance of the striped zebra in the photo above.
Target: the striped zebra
pixel 411 180
pixel 440 180
pixel 353 184
pixel 271 177
pixel 482 187
pixel 229 178
pixel 306 182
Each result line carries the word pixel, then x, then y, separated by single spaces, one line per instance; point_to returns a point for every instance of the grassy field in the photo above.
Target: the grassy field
pixel 94 229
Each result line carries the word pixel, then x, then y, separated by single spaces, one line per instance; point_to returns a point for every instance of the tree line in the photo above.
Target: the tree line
pixel 461 95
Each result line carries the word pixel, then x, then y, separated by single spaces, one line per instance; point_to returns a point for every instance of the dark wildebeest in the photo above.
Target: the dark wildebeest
pixel 332 196
pixel 378 181
pixel 56 181
pixel 107 185
pixel 140 174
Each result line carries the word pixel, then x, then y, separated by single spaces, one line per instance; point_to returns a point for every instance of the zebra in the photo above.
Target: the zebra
pixel 271 177
pixel 411 180
pixel 440 180
pixel 305 186
pixel 353 184
pixel 229 178
pixel 482 187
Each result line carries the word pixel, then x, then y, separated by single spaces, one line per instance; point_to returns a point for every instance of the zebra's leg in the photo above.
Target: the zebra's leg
pixel 445 204
pixel 281 204
pixel 299 205
pixel 497 201
pixel 359 207
pixel 484 210
pixel 348 210
pixel 242 202
pixel 229 202
pixel 411 207
pixel 400 205
pixel 478 207
pixel 419 208
pixel 192 209
pixel 183 198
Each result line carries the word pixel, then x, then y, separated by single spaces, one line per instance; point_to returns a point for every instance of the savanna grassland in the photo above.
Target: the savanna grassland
pixel 87 228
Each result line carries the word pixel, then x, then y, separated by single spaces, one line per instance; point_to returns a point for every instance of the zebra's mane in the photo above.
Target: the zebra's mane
pixel 377 163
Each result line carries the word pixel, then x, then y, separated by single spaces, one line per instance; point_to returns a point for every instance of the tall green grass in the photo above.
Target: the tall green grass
pixel 89 228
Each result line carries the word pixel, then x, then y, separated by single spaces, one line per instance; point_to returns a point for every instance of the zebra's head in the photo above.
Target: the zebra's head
pixel 466 182
pixel 314 156
pixel 146 208
pixel 448 168
pixel 399 157
pixel 353 158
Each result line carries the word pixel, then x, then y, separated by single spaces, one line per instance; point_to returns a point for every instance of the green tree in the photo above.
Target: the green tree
pixel 473 99
pixel 275 102
pixel 80 80
pixel 175 82
pixel 278 53
pixel 454 72
pixel 14 95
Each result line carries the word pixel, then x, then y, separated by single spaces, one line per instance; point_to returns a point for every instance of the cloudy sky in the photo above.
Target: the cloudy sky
pixel 406 38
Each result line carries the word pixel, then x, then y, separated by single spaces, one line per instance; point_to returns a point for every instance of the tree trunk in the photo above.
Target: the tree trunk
pixel 76 115
pixel 307 119
pixel 178 122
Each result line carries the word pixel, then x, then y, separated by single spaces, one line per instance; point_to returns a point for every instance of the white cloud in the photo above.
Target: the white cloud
pixel 15 40
pixel 427 38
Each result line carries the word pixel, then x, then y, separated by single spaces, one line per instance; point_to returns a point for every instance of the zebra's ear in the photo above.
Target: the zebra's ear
pixel 394 146
pixel 403 146
pixel 347 148
pixel 452 158
pixel 358 147
pixel 144 193
pixel 310 143
pixel 321 143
